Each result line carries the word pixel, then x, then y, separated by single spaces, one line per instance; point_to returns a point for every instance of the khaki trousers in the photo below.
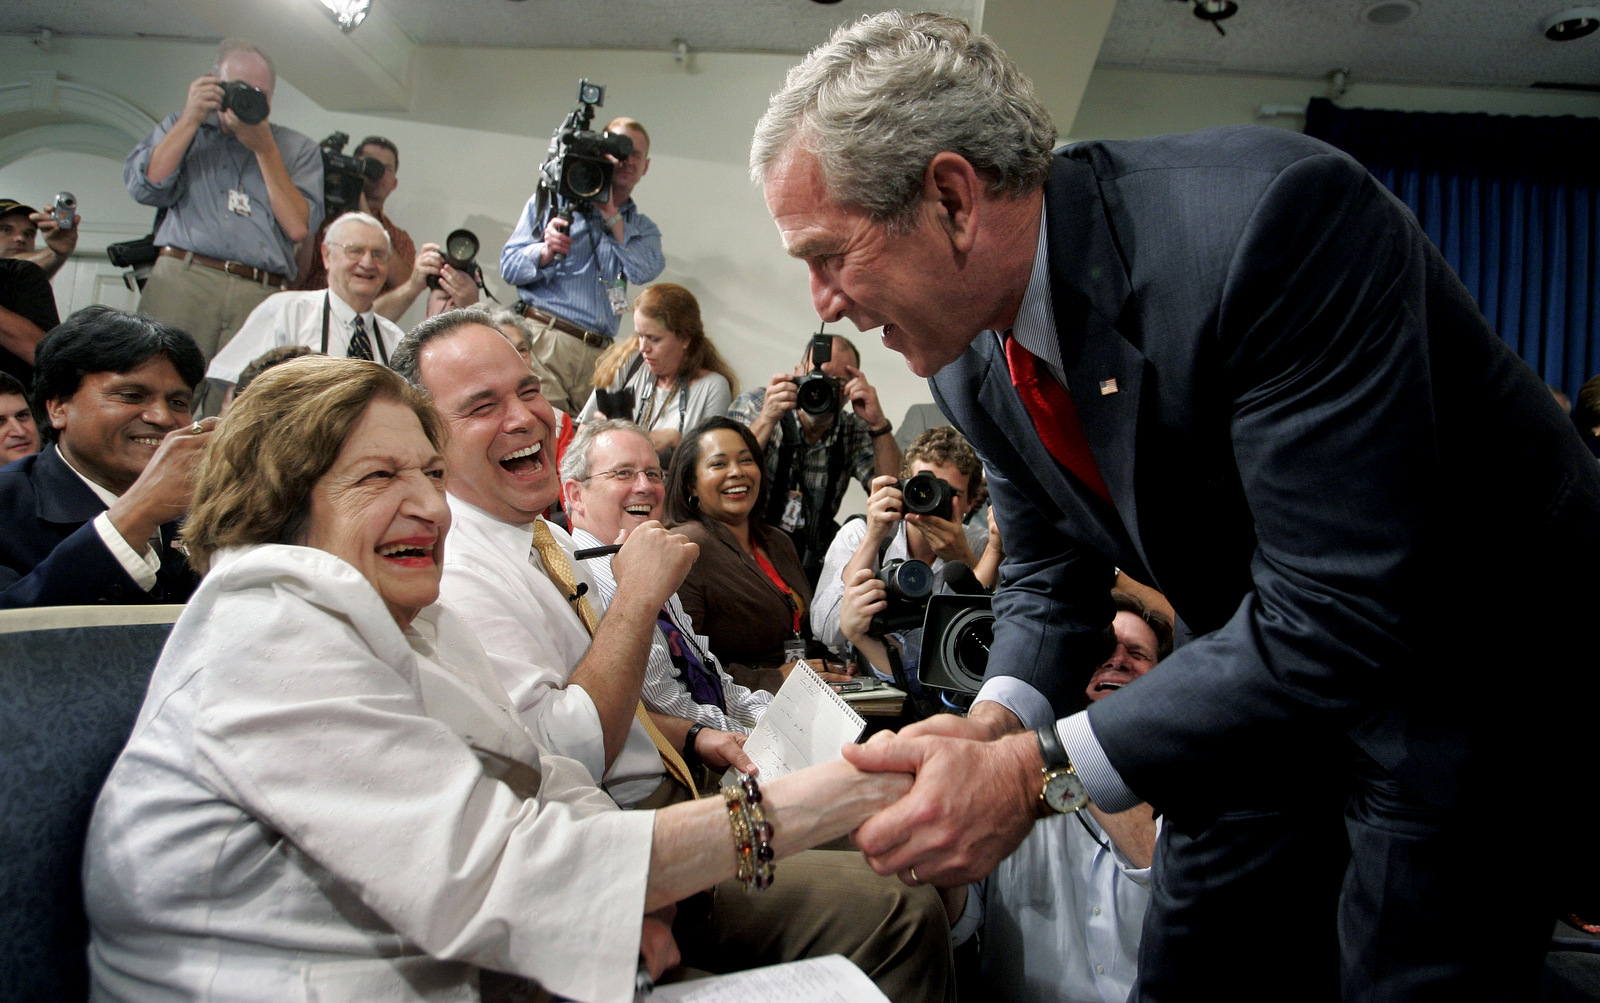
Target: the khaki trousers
pixel 825 902
pixel 570 361
pixel 209 304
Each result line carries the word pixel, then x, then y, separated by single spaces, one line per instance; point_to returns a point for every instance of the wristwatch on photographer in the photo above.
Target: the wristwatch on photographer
pixel 1062 791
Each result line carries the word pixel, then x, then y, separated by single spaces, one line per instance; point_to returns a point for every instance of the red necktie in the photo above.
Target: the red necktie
pixel 1054 416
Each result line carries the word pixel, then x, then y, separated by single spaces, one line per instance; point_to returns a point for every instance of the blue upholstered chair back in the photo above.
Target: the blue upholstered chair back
pixel 71 686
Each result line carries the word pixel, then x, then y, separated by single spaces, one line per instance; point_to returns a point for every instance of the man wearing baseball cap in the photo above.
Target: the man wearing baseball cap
pixel 20 226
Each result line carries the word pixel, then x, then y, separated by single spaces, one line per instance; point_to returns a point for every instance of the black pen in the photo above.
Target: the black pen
pixel 589 553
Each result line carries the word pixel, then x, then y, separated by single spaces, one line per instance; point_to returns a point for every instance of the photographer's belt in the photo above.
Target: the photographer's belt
pixel 562 324
pixel 236 268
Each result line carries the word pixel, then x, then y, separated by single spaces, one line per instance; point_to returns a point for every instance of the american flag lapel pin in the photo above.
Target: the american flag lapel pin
pixel 1108 387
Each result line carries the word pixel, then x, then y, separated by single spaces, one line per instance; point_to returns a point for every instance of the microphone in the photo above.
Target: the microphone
pixel 578 592
pixel 957 577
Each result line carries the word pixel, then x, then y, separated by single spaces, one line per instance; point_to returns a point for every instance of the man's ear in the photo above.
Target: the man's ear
pixel 955 186
pixel 56 410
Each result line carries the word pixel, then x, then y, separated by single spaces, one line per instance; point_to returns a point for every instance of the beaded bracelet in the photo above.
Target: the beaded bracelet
pixel 752 833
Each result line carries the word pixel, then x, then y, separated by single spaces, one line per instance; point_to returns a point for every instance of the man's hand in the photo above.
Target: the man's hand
pixel 780 398
pixel 163 490
pixel 864 597
pixel 652 564
pixel 556 240
pixel 722 749
pixel 863 399
pixel 985 722
pixel 884 507
pixel 972 803
pixel 656 946
pixel 430 261
pixel 459 287
pixel 205 97
pixel 62 242
pixel 947 537
pixel 829 672
pixel 256 138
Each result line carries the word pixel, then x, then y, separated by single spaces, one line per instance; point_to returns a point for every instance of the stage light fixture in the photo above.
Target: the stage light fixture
pixel 347 14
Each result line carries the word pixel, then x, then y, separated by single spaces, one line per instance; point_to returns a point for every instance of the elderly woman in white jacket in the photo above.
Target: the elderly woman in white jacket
pixel 327 794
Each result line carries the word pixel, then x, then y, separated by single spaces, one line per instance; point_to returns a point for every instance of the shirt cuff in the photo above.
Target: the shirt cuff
pixel 1089 762
pixel 971 916
pixel 1019 698
pixel 140 567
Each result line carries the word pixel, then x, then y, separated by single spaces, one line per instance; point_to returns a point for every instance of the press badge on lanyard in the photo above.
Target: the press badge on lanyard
pixel 790 520
pixel 238 202
pixel 794 648
pixel 617 293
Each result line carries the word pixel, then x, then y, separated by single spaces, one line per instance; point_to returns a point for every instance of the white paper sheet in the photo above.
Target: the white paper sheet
pixel 830 979
pixel 805 724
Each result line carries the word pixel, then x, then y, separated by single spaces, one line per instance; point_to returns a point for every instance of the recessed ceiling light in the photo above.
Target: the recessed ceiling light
pixel 1215 11
pixel 1575 22
pixel 348 14
pixel 1387 12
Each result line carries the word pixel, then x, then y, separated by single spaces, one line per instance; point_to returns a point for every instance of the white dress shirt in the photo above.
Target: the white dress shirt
pixel 495 581
pixel 664 691
pixel 1062 917
pixel 1035 330
pixel 315 805
pixel 295 318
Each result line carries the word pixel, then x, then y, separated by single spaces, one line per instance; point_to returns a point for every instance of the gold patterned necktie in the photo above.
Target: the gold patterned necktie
pixel 360 344
pixel 559 570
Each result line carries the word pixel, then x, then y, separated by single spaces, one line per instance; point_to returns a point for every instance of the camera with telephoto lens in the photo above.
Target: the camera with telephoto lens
pixel 460 253
pixel 344 177
pixel 248 104
pixel 907 586
pixel 927 494
pixel 816 393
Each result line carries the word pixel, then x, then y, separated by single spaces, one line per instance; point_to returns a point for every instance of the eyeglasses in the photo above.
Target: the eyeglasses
pixel 626 475
pixel 355 252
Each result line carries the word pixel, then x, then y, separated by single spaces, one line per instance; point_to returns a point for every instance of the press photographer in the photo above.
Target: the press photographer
pixel 812 454
pixel 363 181
pixel 239 193
pixel 572 272
pixel 916 518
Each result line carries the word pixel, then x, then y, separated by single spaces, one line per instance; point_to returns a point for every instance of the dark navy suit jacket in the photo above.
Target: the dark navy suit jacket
pixel 51 554
pixel 1358 500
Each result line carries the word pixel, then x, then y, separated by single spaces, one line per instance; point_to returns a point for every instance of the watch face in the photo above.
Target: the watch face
pixel 1064 792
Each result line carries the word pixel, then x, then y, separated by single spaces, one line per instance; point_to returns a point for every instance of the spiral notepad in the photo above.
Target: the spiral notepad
pixel 805 724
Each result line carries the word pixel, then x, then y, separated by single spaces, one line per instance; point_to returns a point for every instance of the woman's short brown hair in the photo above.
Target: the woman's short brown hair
pixel 254 484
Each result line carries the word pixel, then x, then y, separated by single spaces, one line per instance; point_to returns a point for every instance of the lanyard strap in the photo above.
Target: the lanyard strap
pixel 377 335
pixel 777 579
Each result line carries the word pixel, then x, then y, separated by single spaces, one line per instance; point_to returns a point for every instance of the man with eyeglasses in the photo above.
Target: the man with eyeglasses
pixel 576 300
pixel 409 268
pixel 339 321
pixel 612 482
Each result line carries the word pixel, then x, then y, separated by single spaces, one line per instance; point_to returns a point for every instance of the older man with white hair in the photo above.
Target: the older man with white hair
pixel 337 321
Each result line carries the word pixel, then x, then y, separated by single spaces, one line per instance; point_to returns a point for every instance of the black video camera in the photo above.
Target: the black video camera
pixel 816 393
pixel 344 177
pixel 927 494
pixel 956 638
pixel 907 586
pixel 577 168
pixel 460 253
pixel 248 104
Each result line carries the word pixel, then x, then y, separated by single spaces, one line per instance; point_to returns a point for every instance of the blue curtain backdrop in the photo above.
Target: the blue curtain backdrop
pixel 1514 204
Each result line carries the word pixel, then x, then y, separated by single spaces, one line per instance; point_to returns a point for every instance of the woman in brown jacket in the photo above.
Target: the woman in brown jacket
pixel 747 593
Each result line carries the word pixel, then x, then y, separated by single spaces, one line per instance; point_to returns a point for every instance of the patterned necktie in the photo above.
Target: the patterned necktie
pixel 559 570
pixel 360 344
pixel 1054 417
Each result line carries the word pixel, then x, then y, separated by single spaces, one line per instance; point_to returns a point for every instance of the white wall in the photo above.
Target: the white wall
pixel 481 120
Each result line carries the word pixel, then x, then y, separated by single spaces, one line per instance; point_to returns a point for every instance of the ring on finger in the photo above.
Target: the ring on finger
pixel 196 428
pixel 913 871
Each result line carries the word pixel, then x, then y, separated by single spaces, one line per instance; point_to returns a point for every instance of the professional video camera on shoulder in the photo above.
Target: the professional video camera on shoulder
pixel 816 393
pixel 578 168
pixel 344 177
